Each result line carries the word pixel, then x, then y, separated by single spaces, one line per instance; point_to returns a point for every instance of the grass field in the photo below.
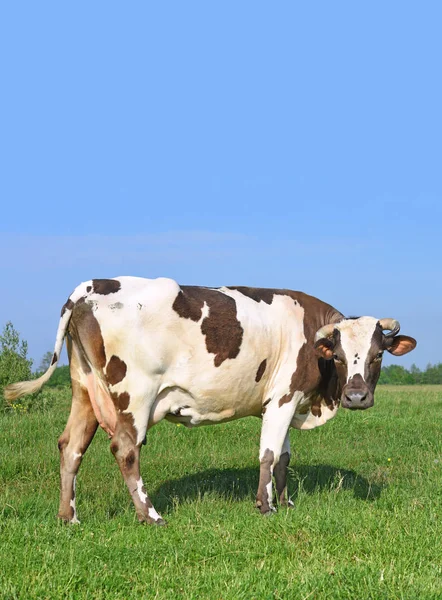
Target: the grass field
pixel 366 522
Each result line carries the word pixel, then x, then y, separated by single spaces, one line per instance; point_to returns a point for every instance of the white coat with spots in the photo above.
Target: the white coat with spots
pixel 141 350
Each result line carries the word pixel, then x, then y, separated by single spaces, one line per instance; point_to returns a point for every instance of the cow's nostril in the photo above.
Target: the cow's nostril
pixel 355 397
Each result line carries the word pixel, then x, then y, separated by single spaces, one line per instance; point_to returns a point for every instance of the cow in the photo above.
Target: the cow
pixel 142 350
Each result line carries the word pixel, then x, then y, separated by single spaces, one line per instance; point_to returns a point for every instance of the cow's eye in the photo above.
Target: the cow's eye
pixel 336 357
pixel 379 356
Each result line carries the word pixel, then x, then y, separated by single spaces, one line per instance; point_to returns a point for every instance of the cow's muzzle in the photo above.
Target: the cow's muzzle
pixel 356 398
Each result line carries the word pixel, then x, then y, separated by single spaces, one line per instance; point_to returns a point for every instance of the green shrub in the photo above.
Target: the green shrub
pixel 398 375
pixel 14 363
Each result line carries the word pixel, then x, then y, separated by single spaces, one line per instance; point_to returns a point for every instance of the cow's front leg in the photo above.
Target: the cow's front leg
pixel 280 473
pixel 274 448
pixel 126 450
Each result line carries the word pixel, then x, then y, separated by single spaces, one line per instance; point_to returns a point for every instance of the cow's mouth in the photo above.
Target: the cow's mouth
pixel 344 405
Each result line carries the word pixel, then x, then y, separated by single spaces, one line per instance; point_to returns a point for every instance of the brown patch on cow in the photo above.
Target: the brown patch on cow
pixel 260 371
pixel 68 305
pixel 54 359
pixel 287 397
pixel 121 401
pixel 86 334
pixel 259 294
pixel 187 305
pixel 318 380
pixel 265 477
pixel 316 407
pixel 314 376
pixel 221 328
pixel 115 370
pixel 105 286
pixel 223 333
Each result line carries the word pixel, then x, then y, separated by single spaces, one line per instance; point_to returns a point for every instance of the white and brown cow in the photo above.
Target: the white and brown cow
pixel 142 350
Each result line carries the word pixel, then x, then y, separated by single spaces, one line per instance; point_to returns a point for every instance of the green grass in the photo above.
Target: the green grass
pixel 366 522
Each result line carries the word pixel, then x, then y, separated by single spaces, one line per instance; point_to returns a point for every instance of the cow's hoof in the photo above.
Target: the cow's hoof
pixel 63 518
pixel 68 519
pixel 266 511
pixel 150 521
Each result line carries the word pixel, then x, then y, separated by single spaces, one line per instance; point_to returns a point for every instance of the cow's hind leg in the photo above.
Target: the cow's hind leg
pixel 126 449
pixel 273 451
pixel 73 443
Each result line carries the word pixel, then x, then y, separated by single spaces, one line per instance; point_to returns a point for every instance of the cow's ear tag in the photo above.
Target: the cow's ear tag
pixel 324 348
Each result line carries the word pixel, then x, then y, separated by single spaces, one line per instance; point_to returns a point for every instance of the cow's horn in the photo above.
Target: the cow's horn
pixel 325 331
pixel 391 325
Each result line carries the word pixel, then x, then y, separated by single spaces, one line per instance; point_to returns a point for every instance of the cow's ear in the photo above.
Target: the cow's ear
pixel 324 347
pixel 400 344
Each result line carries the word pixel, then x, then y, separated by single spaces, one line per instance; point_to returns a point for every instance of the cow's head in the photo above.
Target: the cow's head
pixel 357 347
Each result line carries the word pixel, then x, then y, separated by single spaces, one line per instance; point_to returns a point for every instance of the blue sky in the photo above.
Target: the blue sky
pixel 289 144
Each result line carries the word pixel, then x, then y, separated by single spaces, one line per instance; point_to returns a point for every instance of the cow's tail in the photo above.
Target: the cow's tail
pixel 21 388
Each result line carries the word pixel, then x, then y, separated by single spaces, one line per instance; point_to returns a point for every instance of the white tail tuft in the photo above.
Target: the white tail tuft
pixel 21 388
pixel 17 390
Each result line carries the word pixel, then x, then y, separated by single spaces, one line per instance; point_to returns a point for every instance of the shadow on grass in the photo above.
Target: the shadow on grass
pixel 237 484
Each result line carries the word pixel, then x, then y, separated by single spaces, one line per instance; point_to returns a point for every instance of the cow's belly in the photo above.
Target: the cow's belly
pixel 181 406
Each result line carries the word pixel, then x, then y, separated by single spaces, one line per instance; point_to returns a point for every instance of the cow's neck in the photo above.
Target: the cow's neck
pixel 329 386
